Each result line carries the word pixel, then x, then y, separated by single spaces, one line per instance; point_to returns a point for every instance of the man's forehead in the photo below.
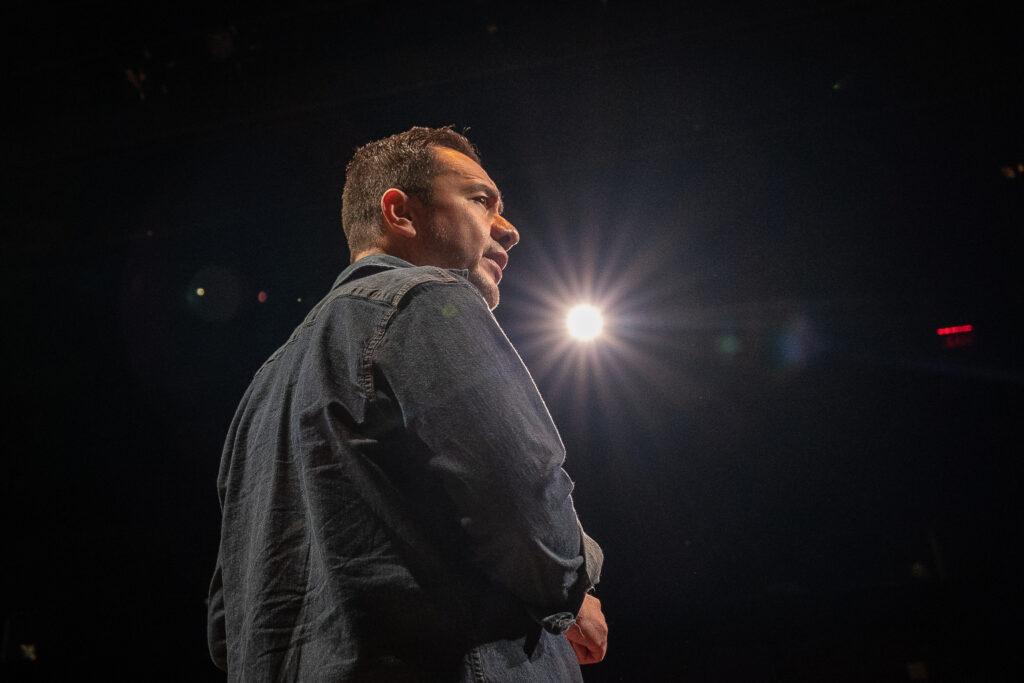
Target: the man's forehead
pixel 457 163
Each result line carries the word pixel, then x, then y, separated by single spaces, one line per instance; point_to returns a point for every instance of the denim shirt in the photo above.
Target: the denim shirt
pixel 393 501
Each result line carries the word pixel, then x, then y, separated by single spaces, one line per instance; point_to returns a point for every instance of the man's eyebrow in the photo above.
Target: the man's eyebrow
pixel 495 195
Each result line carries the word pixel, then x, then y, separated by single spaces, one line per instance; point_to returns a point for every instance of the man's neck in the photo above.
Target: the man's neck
pixel 368 252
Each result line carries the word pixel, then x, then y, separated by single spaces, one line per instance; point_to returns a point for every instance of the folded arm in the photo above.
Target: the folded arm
pixel 464 391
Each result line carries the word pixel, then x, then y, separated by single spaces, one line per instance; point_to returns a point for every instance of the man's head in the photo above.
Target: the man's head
pixel 422 195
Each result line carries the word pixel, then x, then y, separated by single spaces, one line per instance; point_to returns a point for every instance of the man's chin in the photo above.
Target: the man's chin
pixel 487 287
pixel 491 296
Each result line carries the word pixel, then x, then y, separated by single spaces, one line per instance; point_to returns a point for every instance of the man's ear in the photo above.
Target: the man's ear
pixel 396 208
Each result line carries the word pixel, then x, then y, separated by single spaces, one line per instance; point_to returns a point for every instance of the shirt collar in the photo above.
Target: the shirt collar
pixel 378 262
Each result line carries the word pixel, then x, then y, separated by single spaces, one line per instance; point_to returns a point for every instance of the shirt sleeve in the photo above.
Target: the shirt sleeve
pixel 215 637
pixel 464 392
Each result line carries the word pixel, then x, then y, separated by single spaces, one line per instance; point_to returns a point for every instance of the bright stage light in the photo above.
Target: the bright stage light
pixel 584 322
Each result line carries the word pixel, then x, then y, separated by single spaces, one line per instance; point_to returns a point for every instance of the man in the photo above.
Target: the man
pixel 394 506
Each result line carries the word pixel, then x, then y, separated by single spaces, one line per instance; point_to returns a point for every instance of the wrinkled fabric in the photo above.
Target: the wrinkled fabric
pixel 393 502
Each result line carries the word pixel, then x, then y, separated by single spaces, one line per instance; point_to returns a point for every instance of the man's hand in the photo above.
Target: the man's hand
pixel 589 635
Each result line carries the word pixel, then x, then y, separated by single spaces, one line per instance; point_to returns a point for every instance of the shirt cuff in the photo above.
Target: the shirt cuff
pixel 558 623
pixel 593 557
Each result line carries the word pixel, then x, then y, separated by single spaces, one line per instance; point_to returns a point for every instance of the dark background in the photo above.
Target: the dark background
pixel 793 476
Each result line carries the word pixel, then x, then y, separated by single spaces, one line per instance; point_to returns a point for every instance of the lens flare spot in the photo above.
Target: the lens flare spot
pixel 584 322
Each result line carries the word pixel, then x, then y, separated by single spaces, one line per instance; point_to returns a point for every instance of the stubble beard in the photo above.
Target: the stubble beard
pixel 481 280
pixel 485 285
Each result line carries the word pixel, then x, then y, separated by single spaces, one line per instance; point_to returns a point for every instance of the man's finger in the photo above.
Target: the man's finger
pixel 581 652
pixel 588 649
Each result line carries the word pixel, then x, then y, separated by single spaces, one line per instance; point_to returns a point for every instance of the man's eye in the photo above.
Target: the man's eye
pixel 484 200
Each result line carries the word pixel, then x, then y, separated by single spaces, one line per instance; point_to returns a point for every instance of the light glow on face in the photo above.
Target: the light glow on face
pixel 584 322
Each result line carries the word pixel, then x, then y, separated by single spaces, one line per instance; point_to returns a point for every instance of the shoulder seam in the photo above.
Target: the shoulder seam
pixel 429 274
pixel 393 296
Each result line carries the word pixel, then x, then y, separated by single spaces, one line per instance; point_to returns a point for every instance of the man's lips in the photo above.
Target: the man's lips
pixel 500 260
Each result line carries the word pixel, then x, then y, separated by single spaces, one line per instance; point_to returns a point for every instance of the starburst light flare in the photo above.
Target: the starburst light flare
pixel 584 322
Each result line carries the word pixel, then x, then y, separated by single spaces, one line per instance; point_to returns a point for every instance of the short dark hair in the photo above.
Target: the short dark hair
pixel 404 161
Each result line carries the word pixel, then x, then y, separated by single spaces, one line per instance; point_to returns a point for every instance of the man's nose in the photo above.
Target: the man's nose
pixel 504 232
